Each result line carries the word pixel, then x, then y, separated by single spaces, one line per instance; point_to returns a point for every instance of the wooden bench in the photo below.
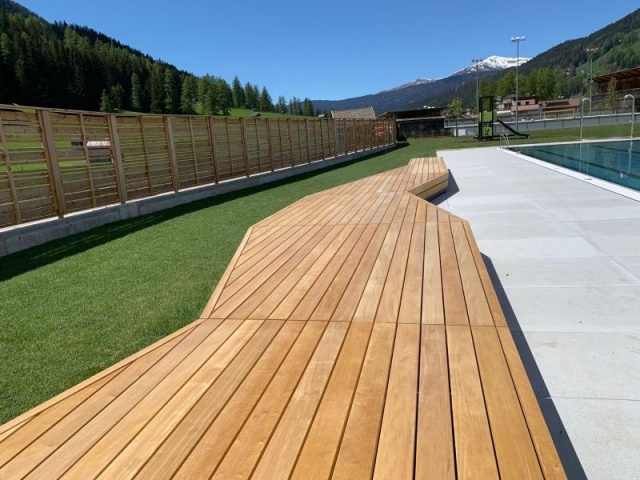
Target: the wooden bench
pixel 355 334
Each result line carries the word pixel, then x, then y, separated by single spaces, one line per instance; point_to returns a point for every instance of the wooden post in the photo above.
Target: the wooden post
pixel 244 148
pixel 306 128
pixel 146 154
pixel 7 165
pixel 212 143
pixel 193 151
pixel 280 141
pixel 269 143
pixel 87 161
pixel 226 124
pixel 118 163
pixel 290 140
pixel 51 159
pixel 171 150
pixel 322 122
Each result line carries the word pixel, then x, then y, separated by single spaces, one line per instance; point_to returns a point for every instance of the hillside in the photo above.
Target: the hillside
pixel 75 67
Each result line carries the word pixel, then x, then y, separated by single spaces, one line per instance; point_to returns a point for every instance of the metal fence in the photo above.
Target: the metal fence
pixel 57 162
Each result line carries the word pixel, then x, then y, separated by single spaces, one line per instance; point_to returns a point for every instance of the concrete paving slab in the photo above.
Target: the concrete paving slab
pixel 542 247
pixel 488 231
pixel 605 227
pixel 618 245
pixel 575 309
pixel 562 272
pixel 605 435
pixel 594 365
pixel 632 264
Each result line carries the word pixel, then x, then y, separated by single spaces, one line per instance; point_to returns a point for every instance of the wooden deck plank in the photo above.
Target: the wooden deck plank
pixel 396 448
pixel 474 296
pixel 219 433
pixel 543 443
pixel 262 302
pixel 317 457
pixel 434 442
pixel 218 379
pixel 475 457
pixel 307 281
pixel 283 443
pixel 432 298
pixel 514 449
pixel 313 296
pixel 325 307
pixel 389 306
pixel 370 299
pixel 99 449
pixel 455 308
pixel 411 302
pixel 353 293
pixel 356 456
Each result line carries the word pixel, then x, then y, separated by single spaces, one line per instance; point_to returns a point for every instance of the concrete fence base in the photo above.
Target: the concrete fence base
pixel 21 237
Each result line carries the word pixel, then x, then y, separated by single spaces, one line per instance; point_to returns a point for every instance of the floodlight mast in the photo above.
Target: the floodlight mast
pixel 477 62
pixel 517 41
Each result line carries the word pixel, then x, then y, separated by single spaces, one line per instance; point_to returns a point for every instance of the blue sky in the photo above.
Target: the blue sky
pixel 333 49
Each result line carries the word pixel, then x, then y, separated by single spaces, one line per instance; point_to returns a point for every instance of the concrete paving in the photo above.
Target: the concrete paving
pixel 565 258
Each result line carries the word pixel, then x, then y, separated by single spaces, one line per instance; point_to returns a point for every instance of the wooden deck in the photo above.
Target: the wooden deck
pixel 355 334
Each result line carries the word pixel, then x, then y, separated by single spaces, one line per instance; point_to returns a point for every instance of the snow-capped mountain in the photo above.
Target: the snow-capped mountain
pixel 417 81
pixel 491 63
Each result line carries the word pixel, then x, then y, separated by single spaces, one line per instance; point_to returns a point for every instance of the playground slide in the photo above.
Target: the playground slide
pixel 513 131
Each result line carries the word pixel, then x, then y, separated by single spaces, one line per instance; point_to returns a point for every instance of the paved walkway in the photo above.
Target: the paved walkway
pixel 567 256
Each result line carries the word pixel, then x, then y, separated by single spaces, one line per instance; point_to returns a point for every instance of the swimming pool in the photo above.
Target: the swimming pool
pixel 615 161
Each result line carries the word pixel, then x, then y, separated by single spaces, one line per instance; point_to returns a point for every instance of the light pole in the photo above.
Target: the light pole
pixel 517 41
pixel 477 62
pixel 591 51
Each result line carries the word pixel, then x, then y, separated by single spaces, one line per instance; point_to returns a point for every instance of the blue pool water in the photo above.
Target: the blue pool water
pixel 615 161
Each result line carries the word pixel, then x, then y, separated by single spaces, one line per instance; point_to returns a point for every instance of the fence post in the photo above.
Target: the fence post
pixel 244 147
pixel 212 140
pixel 270 150
pixel 171 150
pixel 51 159
pixel 306 129
pixel 290 140
pixel 118 166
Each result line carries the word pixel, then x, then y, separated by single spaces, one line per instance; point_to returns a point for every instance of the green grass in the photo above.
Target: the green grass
pixel 71 308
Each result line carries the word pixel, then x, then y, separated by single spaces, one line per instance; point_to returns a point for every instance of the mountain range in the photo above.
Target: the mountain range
pixel 612 48
pixel 403 95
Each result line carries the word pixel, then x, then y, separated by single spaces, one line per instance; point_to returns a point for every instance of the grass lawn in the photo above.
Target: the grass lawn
pixel 73 307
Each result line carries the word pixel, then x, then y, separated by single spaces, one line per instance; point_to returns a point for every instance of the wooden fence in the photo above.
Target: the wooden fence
pixel 59 162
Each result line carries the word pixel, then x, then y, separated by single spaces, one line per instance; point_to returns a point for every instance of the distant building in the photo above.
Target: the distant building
pixel 423 122
pixel 366 113
pixel 560 107
pixel 627 82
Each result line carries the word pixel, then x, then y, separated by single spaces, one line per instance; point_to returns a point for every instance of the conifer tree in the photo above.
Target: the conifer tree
pixel 237 93
pixel 186 96
pixel 265 104
pixel 105 102
pixel 136 93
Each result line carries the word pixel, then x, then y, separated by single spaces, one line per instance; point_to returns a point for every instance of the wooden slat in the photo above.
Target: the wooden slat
pixel 318 454
pixel 434 442
pixel 396 448
pixel 475 457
